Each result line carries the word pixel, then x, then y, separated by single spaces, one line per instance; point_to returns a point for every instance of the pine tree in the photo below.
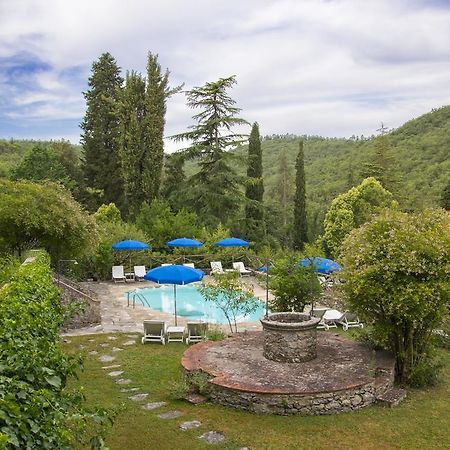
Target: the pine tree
pixel 300 226
pixel 100 137
pixel 254 191
pixel 383 165
pixel 214 193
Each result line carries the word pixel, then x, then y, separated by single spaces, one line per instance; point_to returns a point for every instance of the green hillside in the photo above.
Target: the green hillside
pixel 421 148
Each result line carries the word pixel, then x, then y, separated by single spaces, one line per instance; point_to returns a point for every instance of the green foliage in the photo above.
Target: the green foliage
pixel 98 261
pixel 45 215
pixel 352 209
pixel 159 222
pixel 445 197
pixel 293 285
pixel 108 214
pixel 214 193
pixel 254 190
pixel 396 269
pixel 215 333
pixel 231 296
pixel 8 267
pixel 300 231
pixel 101 128
pixel 36 411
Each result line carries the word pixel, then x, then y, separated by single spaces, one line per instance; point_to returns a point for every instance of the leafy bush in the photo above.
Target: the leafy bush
pixel 293 285
pixel 396 269
pixel 36 411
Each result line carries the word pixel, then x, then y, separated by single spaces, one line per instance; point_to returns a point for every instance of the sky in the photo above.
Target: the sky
pixel 333 68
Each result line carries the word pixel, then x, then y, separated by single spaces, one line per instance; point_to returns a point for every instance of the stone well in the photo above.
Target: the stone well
pixel 290 337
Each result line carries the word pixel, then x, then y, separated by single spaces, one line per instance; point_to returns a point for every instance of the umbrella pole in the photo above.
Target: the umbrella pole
pixel 267 287
pixel 175 298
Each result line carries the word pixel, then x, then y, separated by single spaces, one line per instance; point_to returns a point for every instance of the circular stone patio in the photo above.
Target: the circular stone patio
pixel 346 375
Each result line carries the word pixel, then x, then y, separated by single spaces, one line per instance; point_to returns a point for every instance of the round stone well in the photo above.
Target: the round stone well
pixel 290 337
pixel 345 376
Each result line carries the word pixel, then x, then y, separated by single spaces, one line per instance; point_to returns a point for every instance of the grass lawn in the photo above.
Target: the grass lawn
pixel 420 422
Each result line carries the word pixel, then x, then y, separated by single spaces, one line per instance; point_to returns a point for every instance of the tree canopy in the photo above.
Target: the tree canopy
pixel 397 273
pixel 45 215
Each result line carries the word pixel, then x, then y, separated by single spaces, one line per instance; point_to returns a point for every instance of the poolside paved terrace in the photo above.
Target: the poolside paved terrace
pixel 116 316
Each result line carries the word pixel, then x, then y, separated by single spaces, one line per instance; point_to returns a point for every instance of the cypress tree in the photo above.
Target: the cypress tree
pixel 300 226
pixel 132 149
pixel 254 190
pixel 445 198
pixel 100 136
pixel 156 94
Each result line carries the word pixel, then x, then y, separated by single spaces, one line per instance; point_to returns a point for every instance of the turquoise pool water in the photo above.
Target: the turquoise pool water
pixel 190 304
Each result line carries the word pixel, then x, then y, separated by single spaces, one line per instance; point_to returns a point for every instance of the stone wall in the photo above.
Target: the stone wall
pixel 291 404
pixel 84 306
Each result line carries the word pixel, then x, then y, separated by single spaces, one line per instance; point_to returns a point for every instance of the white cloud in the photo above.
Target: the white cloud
pixel 334 68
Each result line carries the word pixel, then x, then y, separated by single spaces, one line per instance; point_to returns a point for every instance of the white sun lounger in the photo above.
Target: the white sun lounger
pixel 239 266
pixel 139 272
pixel 154 331
pixel 118 274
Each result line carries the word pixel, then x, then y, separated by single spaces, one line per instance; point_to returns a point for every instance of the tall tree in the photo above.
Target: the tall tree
pixel 382 164
pixel 254 190
pixel 283 186
pixel 132 148
pixel 100 137
pixel 215 193
pixel 445 197
pixel 143 110
pixel 300 228
pixel 156 95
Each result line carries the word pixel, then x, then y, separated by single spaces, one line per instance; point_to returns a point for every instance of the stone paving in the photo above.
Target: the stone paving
pixel 116 316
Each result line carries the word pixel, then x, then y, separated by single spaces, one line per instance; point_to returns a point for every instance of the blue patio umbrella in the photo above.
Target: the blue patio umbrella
pixel 184 242
pixel 321 265
pixel 232 242
pixel 130 245
pixel 174 274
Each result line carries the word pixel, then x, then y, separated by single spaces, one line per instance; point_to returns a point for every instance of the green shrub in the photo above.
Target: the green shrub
pixel 36 410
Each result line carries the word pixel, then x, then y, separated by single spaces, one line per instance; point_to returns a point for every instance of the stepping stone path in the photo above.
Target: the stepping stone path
pixel 105 344
pixel 131 336
pixel 81 346
pixel 112 338
pixel 213 437
pixel 123 381
pixel 93 352
pixel 138 397
pixel 129 343
pixel 154 405
pixel 116 349
pixel 114 366
pixel 196 399
pixel 170 415
pixel 91 340
pixel 107 358
pixel 67 341
pixel 129 390
pixel 115 373
pixel 190 425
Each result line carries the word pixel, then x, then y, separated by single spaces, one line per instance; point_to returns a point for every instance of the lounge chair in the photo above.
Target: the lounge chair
pixel 191 265
pixel 118 274
pixel 154 331
pixel 350 320
pixel 239 266
pixel 196 332
pixel 319 313
pixel 139 273
pixel 216 267
pixel 332 317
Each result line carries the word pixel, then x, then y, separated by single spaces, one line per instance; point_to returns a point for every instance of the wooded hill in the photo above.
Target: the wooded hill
pixel 420 148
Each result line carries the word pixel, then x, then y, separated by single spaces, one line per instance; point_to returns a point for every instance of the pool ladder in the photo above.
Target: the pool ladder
pixel 131 295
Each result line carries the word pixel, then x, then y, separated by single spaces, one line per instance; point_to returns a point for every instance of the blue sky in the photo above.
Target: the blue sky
pixel 332 68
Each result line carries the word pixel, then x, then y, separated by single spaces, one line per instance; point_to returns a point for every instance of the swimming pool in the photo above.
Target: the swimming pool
pixel 190 304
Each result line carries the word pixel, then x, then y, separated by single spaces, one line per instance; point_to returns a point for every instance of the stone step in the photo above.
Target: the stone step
pixel 392 397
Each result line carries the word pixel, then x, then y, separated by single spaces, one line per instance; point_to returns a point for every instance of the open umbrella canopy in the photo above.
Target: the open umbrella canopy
pixel 130 245
pixel 232 242
pixel 321 265
pixel 184 242
pixel 174 274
